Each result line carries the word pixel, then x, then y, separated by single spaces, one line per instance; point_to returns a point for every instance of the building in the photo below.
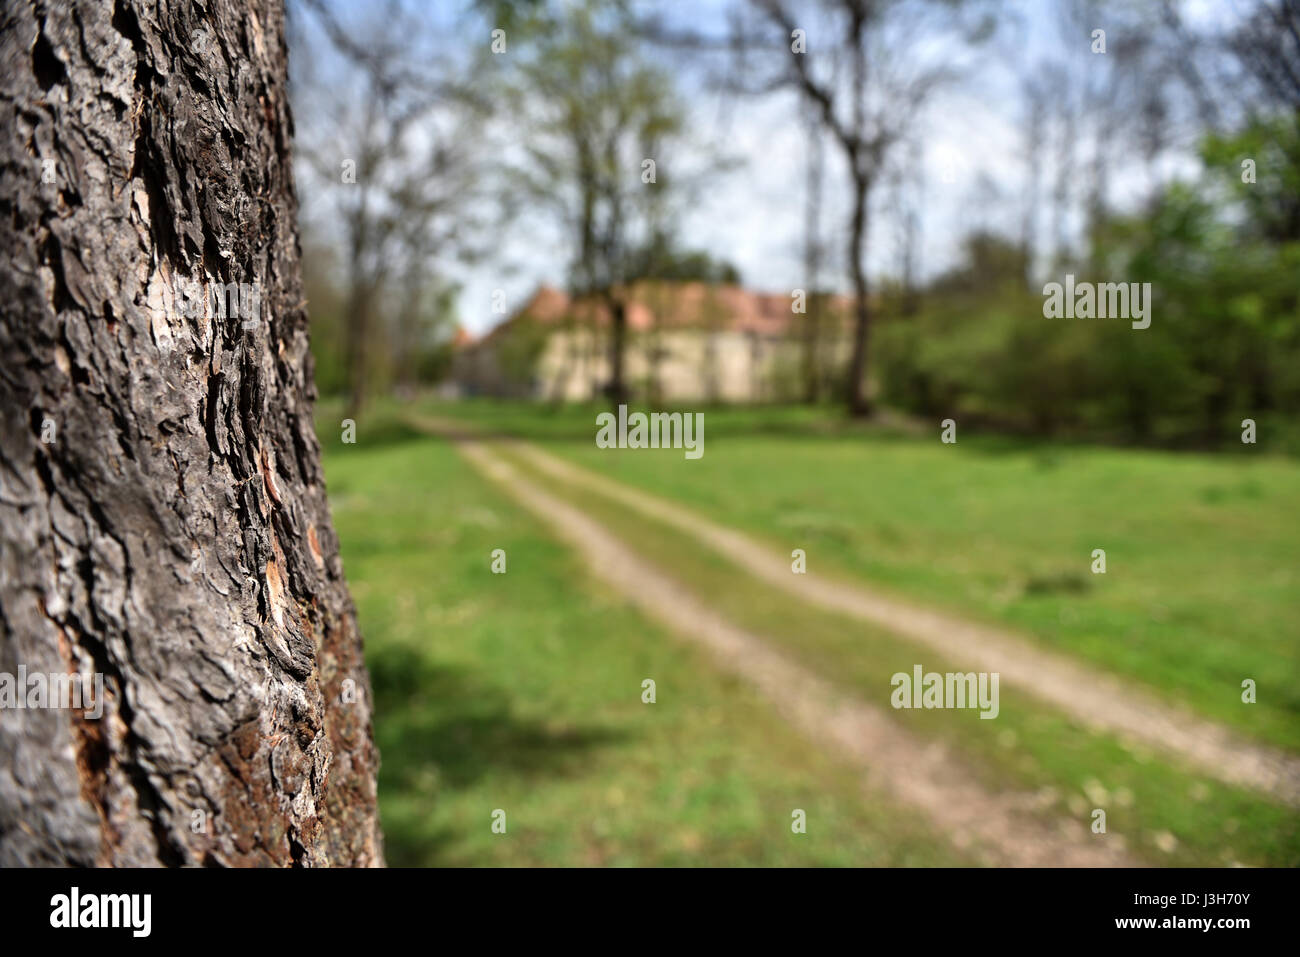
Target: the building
pixel 686 341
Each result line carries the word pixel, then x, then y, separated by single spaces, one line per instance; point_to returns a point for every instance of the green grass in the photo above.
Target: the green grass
pixel 1028 747
pixel 1203 552
pixel 522 692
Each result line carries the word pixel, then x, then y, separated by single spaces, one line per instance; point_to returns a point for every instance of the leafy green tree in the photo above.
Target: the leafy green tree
pixel 599 128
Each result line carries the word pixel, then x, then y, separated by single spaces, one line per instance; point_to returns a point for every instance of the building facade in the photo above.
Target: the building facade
pixel 685 342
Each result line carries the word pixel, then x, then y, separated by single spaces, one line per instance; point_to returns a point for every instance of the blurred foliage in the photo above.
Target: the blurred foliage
pixel 411 340
pixel 325 304
pixel 660 259
pixel 1223 260
pixel 522 348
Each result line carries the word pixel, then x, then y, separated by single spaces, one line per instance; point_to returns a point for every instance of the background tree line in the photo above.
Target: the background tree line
pixel 457 145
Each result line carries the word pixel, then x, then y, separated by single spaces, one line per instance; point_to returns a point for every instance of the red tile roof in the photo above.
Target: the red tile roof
pixel 667 305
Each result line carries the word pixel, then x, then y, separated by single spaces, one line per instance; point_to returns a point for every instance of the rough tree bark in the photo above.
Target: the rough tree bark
pixel 162 509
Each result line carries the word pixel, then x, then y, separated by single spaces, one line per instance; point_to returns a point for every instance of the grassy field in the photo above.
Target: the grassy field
pixel 1167 814
pixel 1202 587
pixel 522 692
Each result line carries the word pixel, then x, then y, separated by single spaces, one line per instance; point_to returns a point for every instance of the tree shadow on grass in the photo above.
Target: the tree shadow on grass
pixel 370 434
pixel 442 729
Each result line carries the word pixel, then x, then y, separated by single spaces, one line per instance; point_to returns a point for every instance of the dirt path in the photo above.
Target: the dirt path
pixel 1001 828
pixel 1099 701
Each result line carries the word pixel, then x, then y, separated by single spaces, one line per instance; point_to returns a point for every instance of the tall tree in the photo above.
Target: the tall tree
pixel 163 520
pixel 393 157
pixel 604 121
pixel 866 107
pixel 1267 47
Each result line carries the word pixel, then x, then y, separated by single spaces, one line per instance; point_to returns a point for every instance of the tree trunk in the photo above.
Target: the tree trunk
pixel 812 364
pixel 163 520
pixel 618 392
pixel 358 346
pixel 859 400
pixel 362 286
pixel 812 367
